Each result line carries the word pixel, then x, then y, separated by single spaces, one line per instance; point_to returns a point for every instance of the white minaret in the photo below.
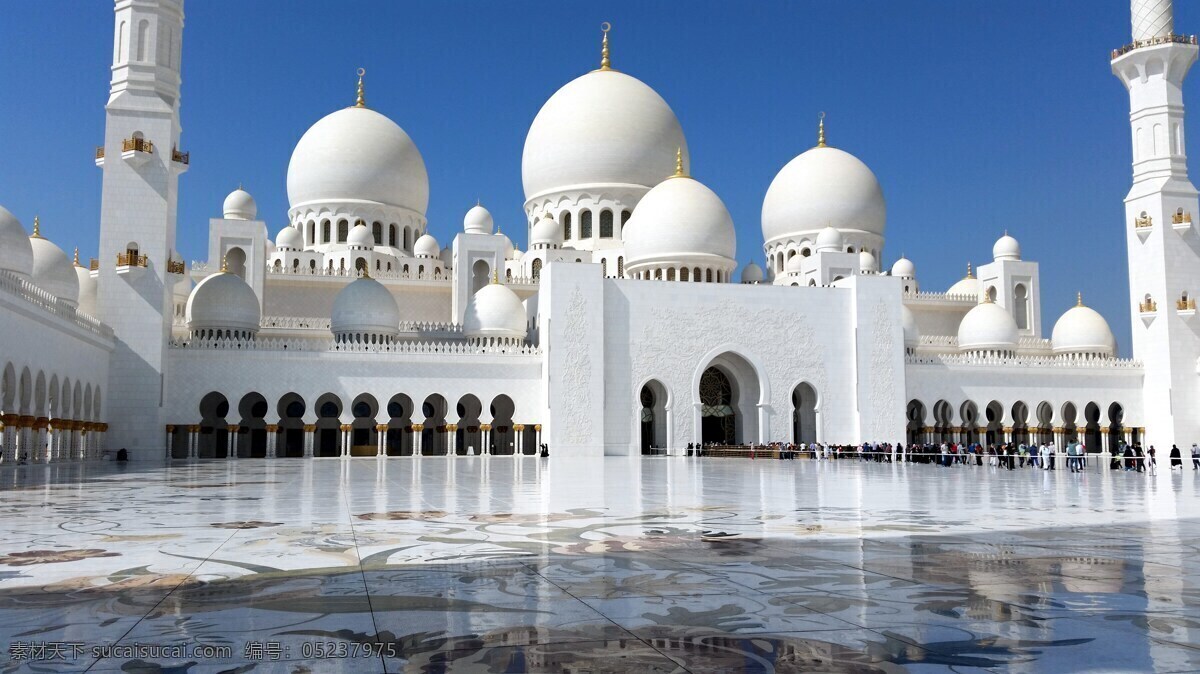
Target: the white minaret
pixel 141 164
pixel 1163 243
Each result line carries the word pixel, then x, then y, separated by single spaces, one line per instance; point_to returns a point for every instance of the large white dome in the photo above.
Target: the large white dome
pixel 823 187
pixel 988 327
pixel 679 220
pixel 1083 330
pixel 604 128
pixel 52 270
pixel 16 255
pixel 365 307
pixel 357 154
pixel 223 301
pixel 495 311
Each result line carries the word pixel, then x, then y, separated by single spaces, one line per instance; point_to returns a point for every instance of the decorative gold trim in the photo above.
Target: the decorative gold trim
pixel 137 145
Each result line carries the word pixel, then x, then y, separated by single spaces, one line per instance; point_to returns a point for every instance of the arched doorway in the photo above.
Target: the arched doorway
pixel 213 442
pixel 364 438
pixel 252 429
pixel 502 439
pixel 235 262
pixel 1020 427
pixel 1069 415
pixel 290 443
pixel 943 419
pixel 652 416
pixel 995 423
pixel 1091 433
pixel 433 437
pixel 1116 425
pixel 468 438
pixel 329 435
pixel 969 413
pixel 916 423
pixel 399 433
pixel 728 393
pixel 804 414
pixel 1045 416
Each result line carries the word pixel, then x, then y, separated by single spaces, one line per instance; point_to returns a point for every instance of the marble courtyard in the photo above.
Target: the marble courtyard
pixel 508 564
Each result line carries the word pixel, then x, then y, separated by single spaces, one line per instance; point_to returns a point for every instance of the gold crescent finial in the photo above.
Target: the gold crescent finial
pixel 821 130
pixel 361 100
pixel 679 163
pixel 224 265
pixel 37 228
pixel 969 274
pixel 605 64
pixel 76 260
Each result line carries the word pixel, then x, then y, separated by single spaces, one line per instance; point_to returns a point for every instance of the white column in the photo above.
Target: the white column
pixel 309 429
pixel 232 444
pixel 416 437
pixel 272 440
pixel 381 438
pixel 193 451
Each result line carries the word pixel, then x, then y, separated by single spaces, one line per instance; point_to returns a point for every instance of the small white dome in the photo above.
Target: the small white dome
pixel 603 128
pixel 365 306
pixel 1006 248
pixel 509 249
pixel 794 264
pixel 478 220
pixel 679 220
pixel 546 232
pixel 968 285
pixel 289 238
pixel 87 290
pixel 239 205
pixel 912 334
pixel 904 268
pixel 360 237
pixel 495 311
pixel 823 186
pixel 426 246
pixel 1083 330
pixel 988 327
pixel 830 239
pixel 867 262
pixel 752 273
pixel 53 271
pixel 223 301
pixel 16 255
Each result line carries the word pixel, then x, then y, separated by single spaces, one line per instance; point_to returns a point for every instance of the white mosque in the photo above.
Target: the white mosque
pixel 624 328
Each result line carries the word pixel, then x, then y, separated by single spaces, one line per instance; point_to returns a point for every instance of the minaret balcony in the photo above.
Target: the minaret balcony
pixel 175 267
pixel 1171 38
pixel 130 262
pixel 1186 308
pixel 1181 221
pixel 1143 226
pixel 99 155
pixel 180 160
pixel 136 151
pixel 1148 310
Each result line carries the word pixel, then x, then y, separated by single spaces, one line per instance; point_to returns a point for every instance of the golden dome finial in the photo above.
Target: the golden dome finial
pixel 496 275
pixel 37 228
pixel 987 299
pixel 605 64
pixel 76 260
pixel 366 270
pixel 821 130
pixel 361 100
pixel 969 274
pixel 679 164
pixel 224 265
pixel 1079 299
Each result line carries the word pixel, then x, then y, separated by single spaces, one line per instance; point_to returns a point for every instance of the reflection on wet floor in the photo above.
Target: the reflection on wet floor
pixel 675 565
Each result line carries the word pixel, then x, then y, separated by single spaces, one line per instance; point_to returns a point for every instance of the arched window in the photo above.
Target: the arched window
pixel 585 225
pixel 696 274
pixel 324 231
pixel 312 232
pixel 1021 306
pixel 606 224
pixel 405 238
pixel 685 274
pixel 657 274
pixel 621 267
pixel 295 265
pixel 378 265
pixel 420 271
pixel 508 275
pixel 392 235
pixel 805 252
pixel 312 265
pixel 405 270
pixel 671 274
pixel 708 275
pixel 624 218
pixel 361 264
pixel 377 232
pixel 343 230
pixel 143 35
pixel 567 226
pixel 537 269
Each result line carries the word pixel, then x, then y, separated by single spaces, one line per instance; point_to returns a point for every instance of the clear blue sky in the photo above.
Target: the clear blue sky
pixel 977 117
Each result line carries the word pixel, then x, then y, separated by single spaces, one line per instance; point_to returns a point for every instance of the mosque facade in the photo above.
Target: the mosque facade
pixel 625 327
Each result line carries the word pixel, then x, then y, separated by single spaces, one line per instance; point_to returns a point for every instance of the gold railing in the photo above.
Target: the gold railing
pixel 1148 307
pixel 99 152
pixel 1180 218
pixel 137 145
pixel 131 260
pixel 1143 221
pixel 94 265
pixel 1171 38
pixel 1185 304
pixel 174 266
pixel 180 157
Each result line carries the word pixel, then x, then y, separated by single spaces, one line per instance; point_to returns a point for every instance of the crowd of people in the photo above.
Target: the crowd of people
pixel 1006 456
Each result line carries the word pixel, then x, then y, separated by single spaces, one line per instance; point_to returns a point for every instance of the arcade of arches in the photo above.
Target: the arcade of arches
pixel 292 427
pixel 48 418
pixel 1099 427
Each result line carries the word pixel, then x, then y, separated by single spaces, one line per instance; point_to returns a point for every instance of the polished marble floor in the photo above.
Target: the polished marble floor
pixel 501 564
